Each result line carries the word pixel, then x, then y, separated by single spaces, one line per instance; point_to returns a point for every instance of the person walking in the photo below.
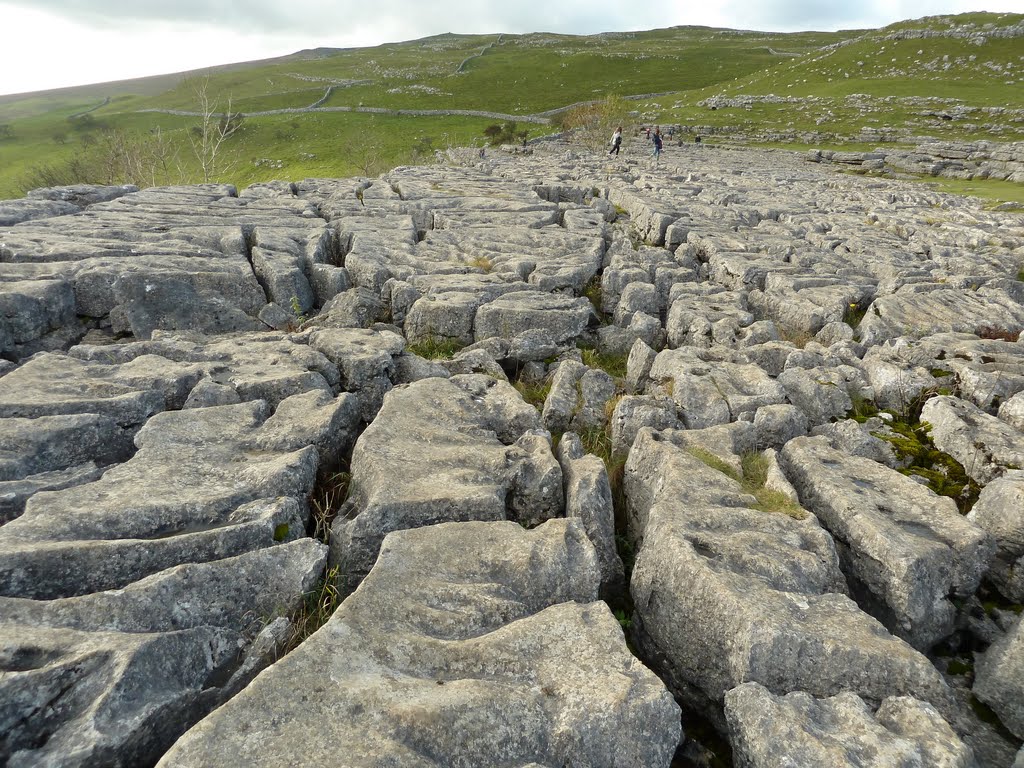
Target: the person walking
pixel 616 141
pixel 656 139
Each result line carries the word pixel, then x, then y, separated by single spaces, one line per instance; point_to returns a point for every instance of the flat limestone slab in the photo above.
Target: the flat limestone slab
pixel 906 550
pixel 467 644
pixel 726 593
pixel 797 729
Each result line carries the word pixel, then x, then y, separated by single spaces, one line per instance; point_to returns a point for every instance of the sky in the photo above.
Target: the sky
pixel 56 43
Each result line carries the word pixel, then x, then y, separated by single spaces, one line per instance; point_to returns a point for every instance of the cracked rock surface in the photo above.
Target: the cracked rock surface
pixel 761 417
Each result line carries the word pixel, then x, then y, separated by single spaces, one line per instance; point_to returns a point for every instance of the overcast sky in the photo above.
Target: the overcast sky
pixel 56 43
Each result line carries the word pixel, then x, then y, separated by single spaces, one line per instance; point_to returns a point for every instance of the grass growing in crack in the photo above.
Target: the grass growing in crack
pixel 854 313
pixel 614 365
pixel 534 392
pixel 944 475
pixel 482 263
pixel 325 503
pixel 317 607
pixel 752 476
pixel 435 347
pixel 592 291
pixel 863 409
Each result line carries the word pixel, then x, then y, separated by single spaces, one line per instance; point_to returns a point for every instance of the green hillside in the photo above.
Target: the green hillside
pixel 949 76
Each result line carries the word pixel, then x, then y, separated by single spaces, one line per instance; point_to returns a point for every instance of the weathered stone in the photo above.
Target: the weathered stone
pixel 711 391
pixel 999 679
pixel 417 680
pixel 725 593
pixel 562 319
pixel 776 425
pixel 190 494
pixel 905 550
pixel 634 412
pixel 31 446
pixel 856 439
pixel 1000 511
pixel 797 729
pixel 984 445
pixel 481 465
pixel 588 497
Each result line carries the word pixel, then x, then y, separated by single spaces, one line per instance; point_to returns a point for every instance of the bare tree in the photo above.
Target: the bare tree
pixel 215 128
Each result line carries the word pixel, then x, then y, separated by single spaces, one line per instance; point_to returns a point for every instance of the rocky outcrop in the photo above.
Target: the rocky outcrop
pixel 189 377
pixel 468 643
pixel 798 729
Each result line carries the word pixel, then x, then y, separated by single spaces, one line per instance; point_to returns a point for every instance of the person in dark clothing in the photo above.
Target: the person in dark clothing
pixel 656 139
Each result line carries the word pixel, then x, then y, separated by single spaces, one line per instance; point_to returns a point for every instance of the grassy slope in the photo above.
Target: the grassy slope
pixel 877 82
pixel 523 74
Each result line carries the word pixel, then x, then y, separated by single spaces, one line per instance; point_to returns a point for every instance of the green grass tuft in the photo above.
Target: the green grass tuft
pixel 435 348
pixel 752 478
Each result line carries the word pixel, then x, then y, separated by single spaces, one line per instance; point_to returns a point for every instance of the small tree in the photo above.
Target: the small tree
pixel 215 128
pixel 592 124
pixel 508 133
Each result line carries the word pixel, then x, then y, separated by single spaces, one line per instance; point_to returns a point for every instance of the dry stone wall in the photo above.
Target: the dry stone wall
pixel 184 372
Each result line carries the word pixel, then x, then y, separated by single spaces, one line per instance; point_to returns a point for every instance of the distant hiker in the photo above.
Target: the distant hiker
pixel 616 141
pixel 656 138
pixel 648 132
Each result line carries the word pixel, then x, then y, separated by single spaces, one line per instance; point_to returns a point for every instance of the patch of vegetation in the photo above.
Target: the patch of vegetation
pixel 863 409
pixel 317 607
pixel 435 348
pixel 507 133
pixel 482 263
pixel 945 476
pixel 854 313
pixel 959 667
pixel 592 291
pixel 985 713
pixel 614 365
pixel 752 477
pixel 326 502
pixel 534 392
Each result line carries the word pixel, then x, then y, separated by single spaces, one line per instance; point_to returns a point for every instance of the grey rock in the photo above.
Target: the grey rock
pixel 124 697
pixel 797 729
pixel 634 412
pixel 1000 511
pixel 711 391
pixel 588 497
pixel 561 319
pixel 14 494
pixel 410 368
pixel 1012 411
pixel 905 549
pixel 776 425
pixel 207 393
pixel 821 393
pixel 984 445
pixel 856 439
pixel 129 393
pixel 999 679
pixel 482 465
pixel 444 607
pixel 355 308
pixel 200 487
pixel 31 446
pixel 638 366
pixel 725 593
